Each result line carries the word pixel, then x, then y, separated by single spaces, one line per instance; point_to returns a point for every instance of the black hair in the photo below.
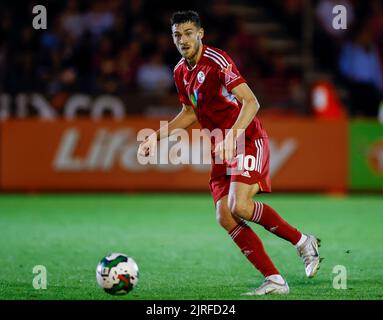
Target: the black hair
pixel 186 16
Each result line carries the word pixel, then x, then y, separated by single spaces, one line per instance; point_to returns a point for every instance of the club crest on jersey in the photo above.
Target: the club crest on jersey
pixel 229 74
pixel 201 77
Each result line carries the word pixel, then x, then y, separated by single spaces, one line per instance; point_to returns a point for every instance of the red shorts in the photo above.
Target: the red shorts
pixel 251 167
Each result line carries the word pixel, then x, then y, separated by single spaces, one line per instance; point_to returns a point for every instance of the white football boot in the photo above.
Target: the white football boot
pixel 269 287
pixel 309 253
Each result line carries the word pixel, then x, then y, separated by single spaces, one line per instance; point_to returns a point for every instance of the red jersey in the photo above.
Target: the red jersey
pixel 207 87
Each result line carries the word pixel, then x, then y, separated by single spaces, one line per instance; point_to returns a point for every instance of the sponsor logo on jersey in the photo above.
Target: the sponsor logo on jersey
pixel 201 77
pixel 194 97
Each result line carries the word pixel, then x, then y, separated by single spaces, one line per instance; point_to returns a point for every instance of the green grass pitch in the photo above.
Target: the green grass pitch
pixel 181 251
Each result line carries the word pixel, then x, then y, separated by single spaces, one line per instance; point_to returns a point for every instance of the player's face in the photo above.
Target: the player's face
pixel 187 38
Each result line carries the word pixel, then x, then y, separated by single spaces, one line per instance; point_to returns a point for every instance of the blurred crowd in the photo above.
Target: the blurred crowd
pixel 353 55
pixel 122 47
pixel 89 46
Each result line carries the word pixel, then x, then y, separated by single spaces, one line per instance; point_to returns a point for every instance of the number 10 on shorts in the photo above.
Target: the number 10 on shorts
pixel 242 163
pixel 245 162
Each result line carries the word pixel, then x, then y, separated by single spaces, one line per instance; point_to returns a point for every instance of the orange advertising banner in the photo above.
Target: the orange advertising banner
pixel 86 155
pixel 308 154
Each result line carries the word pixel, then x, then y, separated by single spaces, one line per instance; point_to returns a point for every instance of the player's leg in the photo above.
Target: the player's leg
pixel 248 242
pixel 242 205
pixel 307 245
pixel 242 235
pixel 255 179
pixel 250 245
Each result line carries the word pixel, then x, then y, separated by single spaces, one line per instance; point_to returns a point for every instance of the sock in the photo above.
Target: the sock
pixel 272 221
pixel 252 247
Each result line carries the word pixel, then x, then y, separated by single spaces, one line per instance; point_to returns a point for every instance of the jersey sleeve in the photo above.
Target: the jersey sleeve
pixel 228 74
pixel 182 95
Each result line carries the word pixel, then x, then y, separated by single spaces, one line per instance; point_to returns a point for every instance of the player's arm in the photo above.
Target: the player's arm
pixel 185 118
pixel 250 107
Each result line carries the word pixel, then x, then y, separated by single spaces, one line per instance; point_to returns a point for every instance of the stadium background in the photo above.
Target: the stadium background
pixel 73 97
